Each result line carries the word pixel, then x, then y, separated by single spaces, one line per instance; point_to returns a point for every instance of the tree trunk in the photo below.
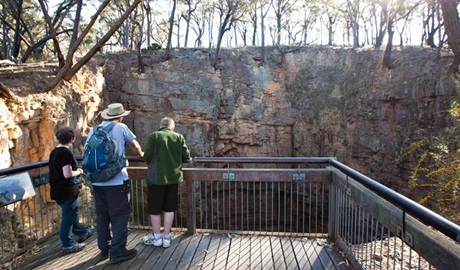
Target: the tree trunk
pixel 452 28
pixel 167 53
pixel 387 54
pixel 17 32
pixel 67 72
pixel 4 54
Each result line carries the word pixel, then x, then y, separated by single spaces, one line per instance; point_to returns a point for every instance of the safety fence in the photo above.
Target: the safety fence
pixel 375 227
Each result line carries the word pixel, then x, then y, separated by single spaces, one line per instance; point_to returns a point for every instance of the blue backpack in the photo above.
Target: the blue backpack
pixel 101 161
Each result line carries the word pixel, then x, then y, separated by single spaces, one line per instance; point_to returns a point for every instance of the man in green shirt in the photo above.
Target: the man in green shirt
pixel 164 153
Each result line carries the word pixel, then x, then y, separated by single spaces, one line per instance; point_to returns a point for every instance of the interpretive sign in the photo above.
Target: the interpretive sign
pixel 16 187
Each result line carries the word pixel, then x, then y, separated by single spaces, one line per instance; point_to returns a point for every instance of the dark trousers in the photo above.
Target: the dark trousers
pixel 69 222
pixel 113 209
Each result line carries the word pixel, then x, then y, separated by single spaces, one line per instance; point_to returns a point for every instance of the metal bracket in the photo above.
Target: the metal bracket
pixel 228 176
pixel 348 191
pixel 406 236
pixel 298 176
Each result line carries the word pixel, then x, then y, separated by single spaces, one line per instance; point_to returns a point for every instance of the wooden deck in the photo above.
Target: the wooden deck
pixel 200 251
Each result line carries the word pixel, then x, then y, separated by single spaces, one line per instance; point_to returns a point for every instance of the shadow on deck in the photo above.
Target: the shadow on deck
pixel 199 251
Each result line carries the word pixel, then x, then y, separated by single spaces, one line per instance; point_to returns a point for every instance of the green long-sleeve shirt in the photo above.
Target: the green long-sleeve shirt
pixel 165 152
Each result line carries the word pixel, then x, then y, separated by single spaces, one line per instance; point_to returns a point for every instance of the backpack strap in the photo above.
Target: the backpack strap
pixel 109 127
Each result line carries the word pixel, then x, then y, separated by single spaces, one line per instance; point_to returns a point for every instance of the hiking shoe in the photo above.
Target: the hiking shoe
pixel 166 241
pixel 150 240
pixel 103 256
pixel 72 249
pixel 129 254
pixel 83 237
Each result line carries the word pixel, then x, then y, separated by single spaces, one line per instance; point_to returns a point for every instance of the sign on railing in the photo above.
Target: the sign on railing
pixel 14 188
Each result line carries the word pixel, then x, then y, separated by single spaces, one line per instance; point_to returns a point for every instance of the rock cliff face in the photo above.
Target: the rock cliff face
pixel 303 102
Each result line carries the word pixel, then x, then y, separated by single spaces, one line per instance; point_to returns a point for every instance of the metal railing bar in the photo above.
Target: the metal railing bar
pixel 438 222
pixel 317 160
pixel 22 168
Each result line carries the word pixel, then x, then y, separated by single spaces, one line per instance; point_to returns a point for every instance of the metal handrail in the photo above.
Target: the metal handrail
pixel 318 160
pixel 23 168
pixel 425 215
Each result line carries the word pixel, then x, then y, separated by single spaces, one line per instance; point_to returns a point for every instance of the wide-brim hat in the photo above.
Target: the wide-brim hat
pixel 114 110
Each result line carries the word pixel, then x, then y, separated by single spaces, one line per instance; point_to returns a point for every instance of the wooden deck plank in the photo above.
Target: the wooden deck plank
pixel 245 253
pixel 189 252
pixel 289 254
pixel 49 251
pixel 165 256
pixel 211 252
pixel 339 262
pixel 266 253
pixel 179 252
pixel 301 256
pixel 132 241
pixel 200 251
pixel 256 256
pixel 152 254
pixel 91 252
pixel 330 259
pixel 222 252
pixel 234 252
pixel 278 255
pixel 312 256
pixel 142 254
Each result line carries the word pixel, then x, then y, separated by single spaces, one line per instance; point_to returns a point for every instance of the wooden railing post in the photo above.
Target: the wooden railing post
pixel 190 199
pixel 332 212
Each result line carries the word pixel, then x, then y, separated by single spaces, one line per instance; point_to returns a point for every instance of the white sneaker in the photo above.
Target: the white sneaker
pixel 167 241
pixel 150 240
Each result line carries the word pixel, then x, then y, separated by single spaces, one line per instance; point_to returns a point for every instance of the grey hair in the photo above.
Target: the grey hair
pixel 167 122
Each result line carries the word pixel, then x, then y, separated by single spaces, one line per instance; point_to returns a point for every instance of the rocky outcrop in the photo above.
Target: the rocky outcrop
pixel 298 102
pixel 304 102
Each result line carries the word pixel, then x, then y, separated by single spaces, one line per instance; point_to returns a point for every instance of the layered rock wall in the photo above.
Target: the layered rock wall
pixel 308 102
pixel 298 102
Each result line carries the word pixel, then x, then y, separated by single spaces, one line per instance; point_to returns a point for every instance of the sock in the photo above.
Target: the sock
pixel 167 236
pixel 157 235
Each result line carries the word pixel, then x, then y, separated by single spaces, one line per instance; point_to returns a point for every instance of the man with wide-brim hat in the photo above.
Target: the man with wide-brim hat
pixel 113 111
pixel 112 197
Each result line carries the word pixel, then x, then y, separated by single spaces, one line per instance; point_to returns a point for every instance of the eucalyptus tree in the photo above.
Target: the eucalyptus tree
pixel 69 69
pixel 198 23
pixel 394 11
pixel 242 27
pixel 351 11
pixel 252 19
pixel 452 27
pixel 229 11
pixel 281 9
pixel 167 53
pixel 309 14
pixel 293 25
pixel 21 27
pixel 330 15
pixel 18 18
pixel 148 16
pixel 192 6
pixel 247 21
pixel 264 7
pixel 379 22
pixel 432 23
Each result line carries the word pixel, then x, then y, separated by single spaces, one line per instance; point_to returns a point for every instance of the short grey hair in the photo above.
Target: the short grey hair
pixel 167 122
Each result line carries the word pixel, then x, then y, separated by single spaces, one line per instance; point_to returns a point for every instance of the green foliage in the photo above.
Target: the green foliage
pixel 435 173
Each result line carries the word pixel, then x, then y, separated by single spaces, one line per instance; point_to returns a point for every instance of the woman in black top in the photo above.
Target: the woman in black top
pixel 65 188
